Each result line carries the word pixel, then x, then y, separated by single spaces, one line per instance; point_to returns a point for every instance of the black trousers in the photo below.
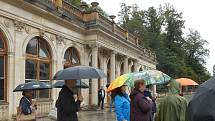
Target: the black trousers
pixel 101 100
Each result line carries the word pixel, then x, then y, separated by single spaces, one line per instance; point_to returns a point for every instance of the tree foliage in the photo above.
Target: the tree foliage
pixel 162 30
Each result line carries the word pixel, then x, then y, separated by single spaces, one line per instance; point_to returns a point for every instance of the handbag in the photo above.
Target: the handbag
pixel 22 117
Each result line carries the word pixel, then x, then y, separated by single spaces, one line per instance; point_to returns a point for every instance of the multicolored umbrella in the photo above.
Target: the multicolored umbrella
pixel 186 82
pixel 150 77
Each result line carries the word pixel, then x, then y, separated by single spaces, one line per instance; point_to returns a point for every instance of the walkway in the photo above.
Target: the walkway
pixel 91 116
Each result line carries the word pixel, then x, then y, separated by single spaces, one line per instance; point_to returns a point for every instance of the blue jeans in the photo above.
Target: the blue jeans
pixel 111 104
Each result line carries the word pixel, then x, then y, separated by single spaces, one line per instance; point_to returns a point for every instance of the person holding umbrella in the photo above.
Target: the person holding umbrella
pixel 27 106
pixel 66 105
pixel 141 106
pixel 122 104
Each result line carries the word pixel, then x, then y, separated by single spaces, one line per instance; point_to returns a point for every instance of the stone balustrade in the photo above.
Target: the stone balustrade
pixel 43 108
pixel 4 112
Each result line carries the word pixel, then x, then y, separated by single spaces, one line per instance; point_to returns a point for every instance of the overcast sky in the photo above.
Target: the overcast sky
pixel 198 14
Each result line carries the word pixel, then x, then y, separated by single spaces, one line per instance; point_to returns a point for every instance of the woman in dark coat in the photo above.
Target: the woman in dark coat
pixel 67 107
pixel 27 105
pixel 141 107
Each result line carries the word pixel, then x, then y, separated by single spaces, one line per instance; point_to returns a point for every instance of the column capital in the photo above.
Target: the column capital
pixel 91 46
pixel 113 52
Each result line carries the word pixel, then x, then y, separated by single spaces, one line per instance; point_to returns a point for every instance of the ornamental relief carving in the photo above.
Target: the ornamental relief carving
pixel 28 29
pixel 60 40
pixel 7 23
pixel 19 25
pixel 52 37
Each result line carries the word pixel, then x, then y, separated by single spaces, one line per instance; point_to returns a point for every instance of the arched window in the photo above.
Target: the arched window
pixel 71 57
pixel 3 67
pixel 38 64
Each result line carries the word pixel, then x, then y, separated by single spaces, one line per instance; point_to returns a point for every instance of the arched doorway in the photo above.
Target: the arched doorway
pixel 38 64
pixel 71 57
pixel 3 68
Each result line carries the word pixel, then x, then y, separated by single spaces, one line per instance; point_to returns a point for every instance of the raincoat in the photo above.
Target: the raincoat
pixel 172 107
pixel 122 107
pixel 141 107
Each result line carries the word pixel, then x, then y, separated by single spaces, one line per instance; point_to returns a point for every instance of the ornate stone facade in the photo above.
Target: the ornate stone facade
pixel 105 48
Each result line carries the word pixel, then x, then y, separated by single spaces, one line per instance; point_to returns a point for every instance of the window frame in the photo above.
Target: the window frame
pixel 69 63
pixel 3 53
pixel 39 59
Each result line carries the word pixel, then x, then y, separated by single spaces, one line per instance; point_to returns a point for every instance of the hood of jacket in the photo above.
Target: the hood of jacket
pixel 134 93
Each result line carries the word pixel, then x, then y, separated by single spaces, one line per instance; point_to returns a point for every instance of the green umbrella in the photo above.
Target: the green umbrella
pixel 151 77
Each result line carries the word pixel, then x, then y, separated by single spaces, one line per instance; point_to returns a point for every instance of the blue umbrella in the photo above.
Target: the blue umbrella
pixel 34 85
pixel 79 72
pixel 79 84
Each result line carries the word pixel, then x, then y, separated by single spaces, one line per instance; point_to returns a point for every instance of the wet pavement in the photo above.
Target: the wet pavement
pixel 90 116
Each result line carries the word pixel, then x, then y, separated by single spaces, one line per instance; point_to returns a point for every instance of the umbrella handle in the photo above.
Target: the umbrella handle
pixel 80 88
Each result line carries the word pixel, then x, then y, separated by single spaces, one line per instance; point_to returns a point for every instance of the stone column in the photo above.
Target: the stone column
pixel 105 79
pixel 154 90
pixel 125 65
pixel 102 68
pixel 136 66
pixel 113 66
pixel 94 93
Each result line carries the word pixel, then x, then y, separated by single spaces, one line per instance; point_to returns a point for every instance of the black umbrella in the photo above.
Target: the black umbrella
pixel 79 84
pixel 34 85
pixel 79 72
pixel 202 105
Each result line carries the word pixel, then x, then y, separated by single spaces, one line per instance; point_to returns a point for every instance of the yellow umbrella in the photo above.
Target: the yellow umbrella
pixel 118 82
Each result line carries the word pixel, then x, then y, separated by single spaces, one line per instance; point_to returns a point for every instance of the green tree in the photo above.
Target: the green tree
pixel 162 30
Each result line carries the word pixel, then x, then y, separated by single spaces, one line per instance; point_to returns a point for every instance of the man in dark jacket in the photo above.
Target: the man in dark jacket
pixel 67 107
pixel 101 97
